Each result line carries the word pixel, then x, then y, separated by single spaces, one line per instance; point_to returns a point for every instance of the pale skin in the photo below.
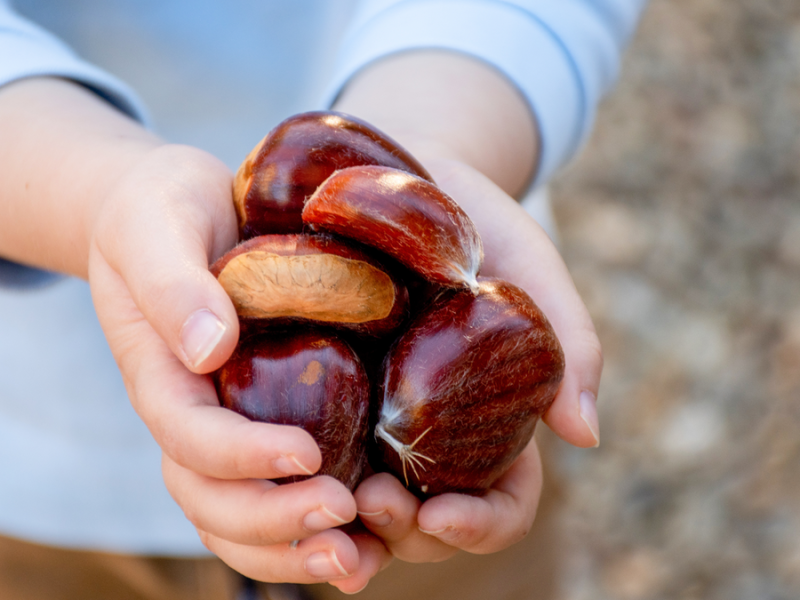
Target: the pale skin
pixel 88 192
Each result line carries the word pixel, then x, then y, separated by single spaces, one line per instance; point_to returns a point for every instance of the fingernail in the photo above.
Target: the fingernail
pixel 379 519
pixel 201 333
pixel 322 519
pixel 325 565
pixel 589 415
pixel 352 592
pixel 446 534
pixel 289 465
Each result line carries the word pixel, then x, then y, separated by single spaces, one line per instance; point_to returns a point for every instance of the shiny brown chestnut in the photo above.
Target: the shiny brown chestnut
pixel 307 379
pixel 463 389
pixel 272 279
pixel 286 167
pixel 403 215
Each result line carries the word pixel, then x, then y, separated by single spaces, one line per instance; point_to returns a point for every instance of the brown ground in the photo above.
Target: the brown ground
pixel 681 225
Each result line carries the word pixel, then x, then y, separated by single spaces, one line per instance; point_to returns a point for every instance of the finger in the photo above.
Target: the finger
pixel 573 414
pixel 324 557
pixel 184 415
pixel 493 522
pixel 257 511
pixel 372 558
pixel 517 249
pixel 176 211
pixel 181 409
pixel 389 511
pixel 191 427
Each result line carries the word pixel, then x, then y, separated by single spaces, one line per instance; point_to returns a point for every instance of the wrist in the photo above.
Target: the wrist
pixel 64 148
pixel 447 106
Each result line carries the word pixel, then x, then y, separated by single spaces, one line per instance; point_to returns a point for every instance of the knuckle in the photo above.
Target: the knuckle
pixel 591 342
pixel 192 512
pixel 206 539
pixel 244 454
pixel 265 534
pixel 153 289
pixel 172 446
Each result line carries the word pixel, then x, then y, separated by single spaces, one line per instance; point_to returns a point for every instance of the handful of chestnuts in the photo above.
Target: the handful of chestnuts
pixel 365 320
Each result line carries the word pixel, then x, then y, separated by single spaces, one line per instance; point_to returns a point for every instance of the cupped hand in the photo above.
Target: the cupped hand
pixel 518 250
pixel 169 323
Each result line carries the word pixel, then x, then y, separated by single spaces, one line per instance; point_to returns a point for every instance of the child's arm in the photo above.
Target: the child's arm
pixel 87 191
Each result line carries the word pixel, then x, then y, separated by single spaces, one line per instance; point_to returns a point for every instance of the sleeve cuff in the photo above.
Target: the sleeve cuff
pixel 501 34
pixel 16 276
pixel 37 53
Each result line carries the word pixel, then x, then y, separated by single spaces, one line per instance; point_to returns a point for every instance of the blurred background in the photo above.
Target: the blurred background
pixel 680 222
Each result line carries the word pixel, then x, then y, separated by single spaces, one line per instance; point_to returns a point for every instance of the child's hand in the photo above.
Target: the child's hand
pixel 517 250
pixel 169 323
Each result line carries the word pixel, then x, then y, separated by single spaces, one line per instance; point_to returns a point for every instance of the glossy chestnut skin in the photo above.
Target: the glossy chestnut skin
pixel 404 216
pixel 288 165
pixel 463 389
pixel 275 279
pixel 309 379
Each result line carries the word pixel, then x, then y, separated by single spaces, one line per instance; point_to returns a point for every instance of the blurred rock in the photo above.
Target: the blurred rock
pixel 635 575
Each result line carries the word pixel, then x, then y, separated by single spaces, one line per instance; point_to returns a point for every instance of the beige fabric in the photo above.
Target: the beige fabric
pixel 34 572
pixel 526 571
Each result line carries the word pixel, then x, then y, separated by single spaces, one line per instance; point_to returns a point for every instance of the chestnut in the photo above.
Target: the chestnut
pixel 339 224
pixel 272 279
pixel 403 215
pixel 463 388
pixel 288 165
pixel 308 379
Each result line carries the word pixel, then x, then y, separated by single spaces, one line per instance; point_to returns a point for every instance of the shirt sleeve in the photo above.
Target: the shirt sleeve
pixel 563 56
pixel 27 50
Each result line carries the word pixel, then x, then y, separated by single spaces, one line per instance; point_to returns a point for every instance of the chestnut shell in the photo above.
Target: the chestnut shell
pixel 463 389
pixel 300 153
pixel 294 245
pixel 307 378
pixel 405 216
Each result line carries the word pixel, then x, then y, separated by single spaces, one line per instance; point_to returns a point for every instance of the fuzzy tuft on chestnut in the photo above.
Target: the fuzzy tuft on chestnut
pixel 407 217
pixel 464 387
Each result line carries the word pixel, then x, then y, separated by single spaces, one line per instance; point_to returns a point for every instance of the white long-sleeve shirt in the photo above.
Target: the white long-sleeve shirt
pixel 79 469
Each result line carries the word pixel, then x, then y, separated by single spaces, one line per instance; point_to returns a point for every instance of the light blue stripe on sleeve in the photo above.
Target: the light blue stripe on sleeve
pixel 27 50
